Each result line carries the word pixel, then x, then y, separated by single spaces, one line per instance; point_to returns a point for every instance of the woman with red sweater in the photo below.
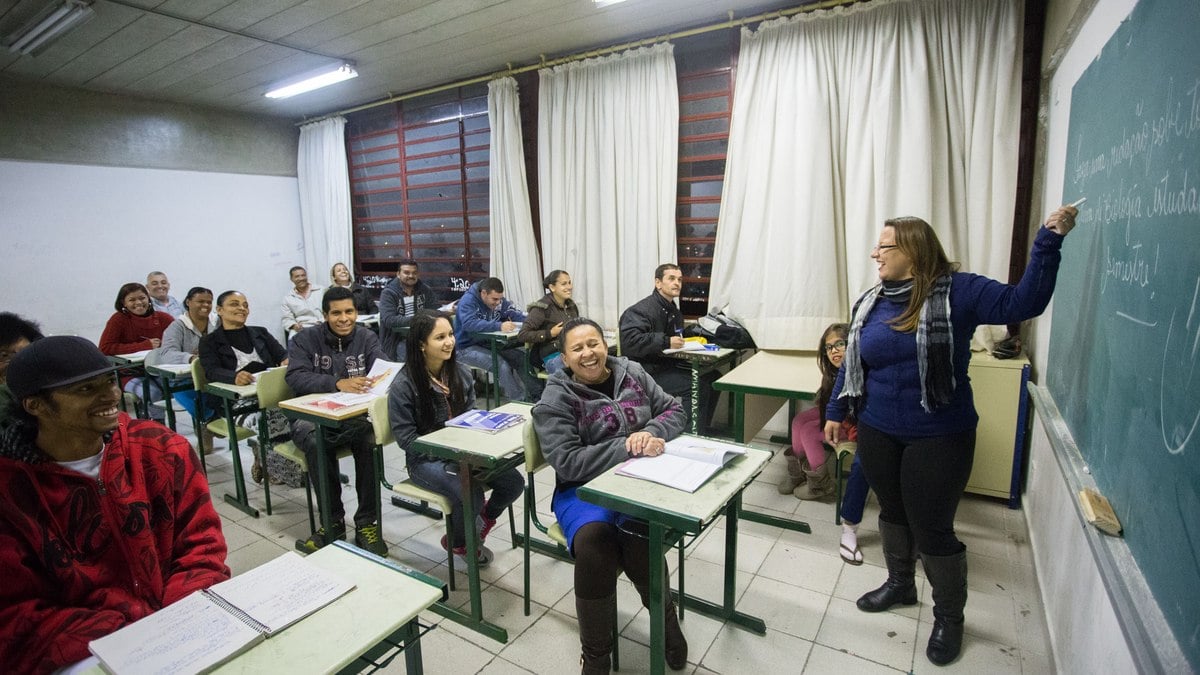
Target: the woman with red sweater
pixel 135 327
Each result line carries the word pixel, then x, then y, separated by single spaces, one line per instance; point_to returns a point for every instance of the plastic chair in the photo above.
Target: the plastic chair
pixel 219 426
pixel 271 388
pixel 842 451
pixel 406 489
pixel 535 461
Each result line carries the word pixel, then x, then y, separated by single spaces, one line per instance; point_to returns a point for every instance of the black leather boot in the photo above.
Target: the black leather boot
pixel 948 581
pixel 900 555
pixel 596 620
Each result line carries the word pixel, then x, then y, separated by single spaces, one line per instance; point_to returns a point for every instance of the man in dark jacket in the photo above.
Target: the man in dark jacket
pixel 655 323
pixel 399 302
pixel 334 356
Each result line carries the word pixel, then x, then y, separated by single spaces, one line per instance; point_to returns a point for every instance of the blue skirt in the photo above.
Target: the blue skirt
pixel 573 513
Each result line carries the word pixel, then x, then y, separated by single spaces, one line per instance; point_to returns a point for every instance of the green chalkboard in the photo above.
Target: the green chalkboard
pixel 1124 362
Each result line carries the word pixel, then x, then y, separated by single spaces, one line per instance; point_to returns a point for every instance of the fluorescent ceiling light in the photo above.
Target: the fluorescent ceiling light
pixel 322 78
pixel 606 3
pixel 48 25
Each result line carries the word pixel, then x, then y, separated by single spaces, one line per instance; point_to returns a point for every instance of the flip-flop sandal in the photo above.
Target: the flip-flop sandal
pixel 855 555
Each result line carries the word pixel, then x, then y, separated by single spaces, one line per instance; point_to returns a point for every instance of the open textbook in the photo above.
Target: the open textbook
pixel 209 627
pixel 382 373
pixel 490 421
pixel 686 464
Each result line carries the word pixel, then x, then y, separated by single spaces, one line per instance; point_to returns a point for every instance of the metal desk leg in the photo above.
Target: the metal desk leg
pixel 323 496
pixel 239 480
pixel 474 620
pixel 412 648
pixel 658 605
pixel 146 395
pixel 739 417
pixel 695 411
pixel 169 399
pixel 495 370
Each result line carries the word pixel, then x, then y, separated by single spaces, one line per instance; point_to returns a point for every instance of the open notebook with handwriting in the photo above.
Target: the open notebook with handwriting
pixel 209 627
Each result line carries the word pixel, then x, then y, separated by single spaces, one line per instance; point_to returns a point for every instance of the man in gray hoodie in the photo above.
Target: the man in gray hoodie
pixel 333 356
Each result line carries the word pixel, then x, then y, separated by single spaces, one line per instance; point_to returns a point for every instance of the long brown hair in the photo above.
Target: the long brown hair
pixel 828 370
pixel 917 240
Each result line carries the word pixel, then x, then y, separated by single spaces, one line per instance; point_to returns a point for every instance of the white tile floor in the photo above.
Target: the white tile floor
pixel 795 582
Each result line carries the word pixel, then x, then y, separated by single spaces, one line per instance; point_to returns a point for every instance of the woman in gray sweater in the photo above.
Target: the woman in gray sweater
pixel 598 412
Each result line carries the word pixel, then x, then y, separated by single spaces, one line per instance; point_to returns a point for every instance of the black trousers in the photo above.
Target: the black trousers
pixel 358 434
pixel 919 482
pixel 602 552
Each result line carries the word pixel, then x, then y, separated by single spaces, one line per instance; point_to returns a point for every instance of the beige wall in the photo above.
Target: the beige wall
pixel 74 126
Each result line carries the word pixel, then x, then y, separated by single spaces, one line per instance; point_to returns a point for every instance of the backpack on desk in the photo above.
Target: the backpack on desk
pixel 724 330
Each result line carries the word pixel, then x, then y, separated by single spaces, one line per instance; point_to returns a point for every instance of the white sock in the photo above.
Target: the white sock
pixel 850 539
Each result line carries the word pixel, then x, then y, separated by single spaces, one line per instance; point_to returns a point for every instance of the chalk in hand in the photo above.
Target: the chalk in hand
pixel 1077 203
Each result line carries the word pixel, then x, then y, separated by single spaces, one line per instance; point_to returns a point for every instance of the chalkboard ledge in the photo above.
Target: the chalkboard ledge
pixel 1150 639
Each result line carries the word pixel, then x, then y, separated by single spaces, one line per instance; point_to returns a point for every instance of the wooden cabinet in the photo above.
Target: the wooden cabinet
pixel 1003 406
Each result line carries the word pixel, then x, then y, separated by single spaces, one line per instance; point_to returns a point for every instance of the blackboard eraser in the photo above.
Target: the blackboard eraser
pixel 1099 512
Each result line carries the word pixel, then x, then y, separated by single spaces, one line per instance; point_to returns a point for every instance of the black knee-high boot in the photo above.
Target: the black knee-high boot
pixel 635 559
pixel 900 556
pixel 948 580
pixel 596 620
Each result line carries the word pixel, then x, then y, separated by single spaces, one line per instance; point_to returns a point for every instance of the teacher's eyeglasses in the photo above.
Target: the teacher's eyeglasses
pixel 839 346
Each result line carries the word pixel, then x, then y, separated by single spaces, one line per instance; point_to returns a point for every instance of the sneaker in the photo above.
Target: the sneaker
pixel 484 558
pixel 368 538
pixel 485 527
pixel 318 540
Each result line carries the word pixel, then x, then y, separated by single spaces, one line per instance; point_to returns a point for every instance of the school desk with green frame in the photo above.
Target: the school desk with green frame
pixel 360 631
pixel 700 362
pixel 480 455
pixel 497 340
pixel 241 399
pixel 328 422
pixel 134 365
pixel 671 514
pixel 172 378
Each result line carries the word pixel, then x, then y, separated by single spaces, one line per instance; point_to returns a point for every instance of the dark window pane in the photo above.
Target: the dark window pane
pixel 719 125
pixel 716 82
pixel 433 113
pixel 449 128
pixel 705 148
pixel 442 145
pixel 708 167
pixel 376 156
pixel 696 250
pixel 700 189
pixel 374 171
pixel 704 210
pixel 370 142
pixel 704 105
pixel 434 162
pixel 381 184
pixel 697 230
pixel 453 175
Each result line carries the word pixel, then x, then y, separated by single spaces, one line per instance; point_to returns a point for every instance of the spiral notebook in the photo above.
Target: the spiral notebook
pixel 209 627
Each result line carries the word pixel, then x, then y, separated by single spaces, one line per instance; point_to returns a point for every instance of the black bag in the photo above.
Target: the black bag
pixel 719 328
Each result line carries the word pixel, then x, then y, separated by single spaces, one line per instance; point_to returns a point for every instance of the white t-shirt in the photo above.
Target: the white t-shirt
pixel 88 466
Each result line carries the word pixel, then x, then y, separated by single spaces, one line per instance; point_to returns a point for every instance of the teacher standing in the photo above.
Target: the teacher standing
pixel 905 377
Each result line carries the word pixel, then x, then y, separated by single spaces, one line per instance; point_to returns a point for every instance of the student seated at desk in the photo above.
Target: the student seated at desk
pixel 339 276
pixel 181 345
pixel 334 356
pixel 399 302
pixel 160 294
pixel 302 305
pixel 135 327
pixel 103 519
pixel 484 308
pixel 16 334
pixel 655 323
pixel 431 389
pixel 231 353
pixel 598 412
pixel 545 321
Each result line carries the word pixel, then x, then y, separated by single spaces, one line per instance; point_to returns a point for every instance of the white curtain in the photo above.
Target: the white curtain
pixel 844 118
pixel 513 248
pixel 608 144
pixel 324 180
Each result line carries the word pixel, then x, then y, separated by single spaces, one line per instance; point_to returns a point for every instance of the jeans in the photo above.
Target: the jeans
pixel 854 499
pixel 515 384
pixel 135 387
pixel 441 476
pixel 919 482
pixel 358 434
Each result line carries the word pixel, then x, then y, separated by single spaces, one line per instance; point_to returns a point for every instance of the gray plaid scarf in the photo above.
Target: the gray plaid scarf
pixel 935 345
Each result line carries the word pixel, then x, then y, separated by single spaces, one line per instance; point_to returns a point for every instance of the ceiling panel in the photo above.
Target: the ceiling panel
pixel 399 46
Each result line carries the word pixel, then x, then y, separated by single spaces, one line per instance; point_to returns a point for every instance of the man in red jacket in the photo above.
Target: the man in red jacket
pixel 103 519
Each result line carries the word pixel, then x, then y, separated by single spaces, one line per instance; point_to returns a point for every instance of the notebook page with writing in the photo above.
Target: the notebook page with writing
pixel 191 636
pixel 281 592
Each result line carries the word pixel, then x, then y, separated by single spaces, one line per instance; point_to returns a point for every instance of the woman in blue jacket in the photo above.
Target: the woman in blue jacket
pixel 905 378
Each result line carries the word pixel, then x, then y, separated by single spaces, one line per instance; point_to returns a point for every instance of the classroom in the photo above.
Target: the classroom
pixel 756 145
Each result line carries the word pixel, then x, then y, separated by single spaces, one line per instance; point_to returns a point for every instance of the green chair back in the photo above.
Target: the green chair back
pixel 272 388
